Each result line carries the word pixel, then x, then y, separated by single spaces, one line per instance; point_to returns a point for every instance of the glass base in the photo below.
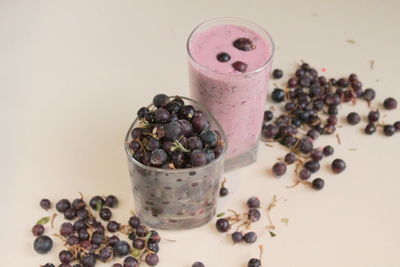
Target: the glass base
pixel 242 160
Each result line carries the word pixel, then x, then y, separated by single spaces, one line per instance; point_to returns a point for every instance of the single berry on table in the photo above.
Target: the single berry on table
pixel 222 225
pixel 318 184
pixel 370 128
pixel 353 118
pixel 254 263
pixel 250 237
pixel 328 151
pixel 305 174
pixel 373 116
pixel 253 203
pixel 45 204
pixel 38 230
pixel 279 169
pixel 389 130
pixel 223 191
pixel 130 262
pixel 268 115
pixel 369 94
pixel 43 244
pixel 338 165
pixel 237 237
pixel 198 264
pixel 254 215
pixel 390 103
pixel 111 201
pixel 277 73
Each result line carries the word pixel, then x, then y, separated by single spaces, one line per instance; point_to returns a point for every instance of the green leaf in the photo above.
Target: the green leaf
pixel 220 214
pixel 99 205
pixel 43 220
pixel 272 234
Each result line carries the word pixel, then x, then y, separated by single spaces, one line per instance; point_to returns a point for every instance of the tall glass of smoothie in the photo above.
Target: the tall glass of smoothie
pixel 229 68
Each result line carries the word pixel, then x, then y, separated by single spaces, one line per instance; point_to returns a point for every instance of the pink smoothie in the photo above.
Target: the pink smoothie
pixel 236 99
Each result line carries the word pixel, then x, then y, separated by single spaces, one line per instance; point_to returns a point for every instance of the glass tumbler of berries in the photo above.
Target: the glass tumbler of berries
pixel 229 63
pixel 181 195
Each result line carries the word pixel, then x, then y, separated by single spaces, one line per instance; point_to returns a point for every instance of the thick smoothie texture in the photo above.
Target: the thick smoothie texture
pixel 236 99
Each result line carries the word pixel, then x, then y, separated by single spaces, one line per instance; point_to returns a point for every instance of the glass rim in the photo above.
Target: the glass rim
pixel 209 21
pixel 183 170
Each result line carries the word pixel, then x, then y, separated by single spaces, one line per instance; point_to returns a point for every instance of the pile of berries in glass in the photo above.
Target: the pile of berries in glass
pixel 175 150
pixel 311 104
pixel 88 240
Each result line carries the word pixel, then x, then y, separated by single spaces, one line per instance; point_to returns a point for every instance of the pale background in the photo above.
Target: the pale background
pixel 73 73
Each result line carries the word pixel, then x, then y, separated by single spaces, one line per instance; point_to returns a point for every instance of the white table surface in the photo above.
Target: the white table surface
pixel 73 73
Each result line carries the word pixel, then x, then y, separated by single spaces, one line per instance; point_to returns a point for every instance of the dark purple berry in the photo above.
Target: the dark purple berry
pixel 305 174
pixel 338 165
pixel 222 225
pixel 97 238
pixel 278 95
pixel 72 240
pixel 389 130
pixel 316 155
pixel 223 57
pixel 313 166
pixel 277 73
pixel 254 215
pixel 239 66
pixel 48 265
pixel 65 256
pixel 237 237
pixel 194 143
pixel 200 123
pixel 390 103
pixel 111 201
pixel 66 229
pixel 270 131
pixel 328 151
pixel 106 254
pixel 198 158
pixel 134 221
pixel 151 259
pixel 141 231
pixel 113 226
pixel 70 214
pixel 96 201
pixel 198 264
pixel 318 184
pixel 292 82
pixel 186 127
pixel 160 100
pixel 397 126
pixel 153 247
pixel 138 243
pixel 173 130
pixel 63 205
pixel 250 237
pixel 253 203
pixel 105 214
pixel 117 265
pixel 370 128
pixel 186 112
pixel 38 230
pixel 243 44
pixel 161 115
pixel 142 112
pixel 78 204
pixel 130 262
pixel 113 240
pixel 43 244
pixel 313 134
pixel 89 260
pixel 223 192
pixel 158 157
pixel 305 145
pixel 154 237
pixel 45 204
pixel 290 158
pixel 254 263
pixel 373 116
pixel 353 118
pixel 369 94
pixel 121 249
pixel 83 234
pixel 279 169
